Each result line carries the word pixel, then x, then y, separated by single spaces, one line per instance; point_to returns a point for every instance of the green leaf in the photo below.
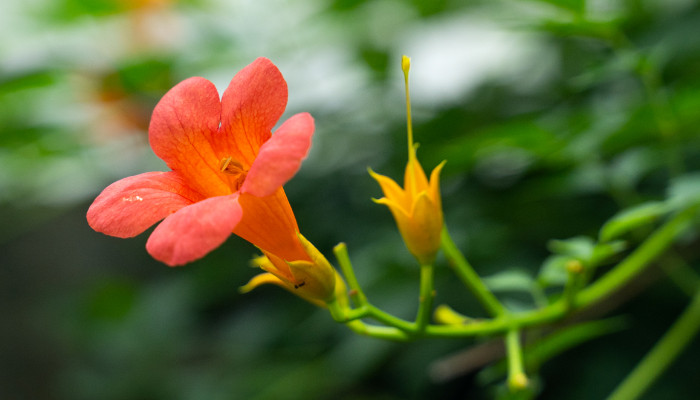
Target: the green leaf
pixel 577 6
pixel 684 191
pixel 603 251
pixel 553 271
pixel 580 27
pixel 632 218
pixel 510 281
pixel 584 249
pixel 579 247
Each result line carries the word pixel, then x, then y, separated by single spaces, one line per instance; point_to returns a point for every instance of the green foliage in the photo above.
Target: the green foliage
pixel 590 134
pixel 632 218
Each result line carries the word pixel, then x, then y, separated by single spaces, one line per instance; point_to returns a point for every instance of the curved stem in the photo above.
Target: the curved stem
pixel 366 309
pixel 425 299
pixel 517 380
pixel 649 250
pixel 469 277
pixel 341 254
pixel 379 332
pixel 632 265
pixel 574 282
pixel 388 319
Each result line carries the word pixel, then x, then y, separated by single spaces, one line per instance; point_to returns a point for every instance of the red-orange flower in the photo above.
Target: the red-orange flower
pixel 227 172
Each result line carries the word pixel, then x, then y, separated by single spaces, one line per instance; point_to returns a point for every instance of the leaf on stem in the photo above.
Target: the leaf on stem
pixel 632 218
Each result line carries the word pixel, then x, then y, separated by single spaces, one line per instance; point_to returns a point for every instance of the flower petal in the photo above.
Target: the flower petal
pixel 250 107
pixel 420 229
pixel 274 265
pixel 426 225
pixel 131 205
pixel 267 278
pixel 316 277
pixel 415 180
pixel 195 230
pixel 262 279
pixel 280 157
pixel 392 191
pixel 181 131
pixel 269 223
pixel 434 189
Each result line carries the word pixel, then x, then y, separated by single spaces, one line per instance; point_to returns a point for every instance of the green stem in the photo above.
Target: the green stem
pixel 574 283
pixel 364 308
pixel 517 380
pixel 356 293
pixel 469 277
pixel 632 265
pixel 499 324
pixel 388 319
pixel 425 298
pixel 649 250
pixel 662 355
pixel 379 332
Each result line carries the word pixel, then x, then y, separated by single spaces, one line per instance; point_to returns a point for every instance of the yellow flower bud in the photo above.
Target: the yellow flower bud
pixel 417 207
pixel 314 279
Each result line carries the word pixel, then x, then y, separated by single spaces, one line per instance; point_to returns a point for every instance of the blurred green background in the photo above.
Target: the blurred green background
pixel 553 116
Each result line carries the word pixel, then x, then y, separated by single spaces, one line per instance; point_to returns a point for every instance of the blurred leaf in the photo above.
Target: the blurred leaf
pixel 684 191
pixel 580 247
pixel 607 70
pixel 628 168
pixel 26 80
pixel 577 6
pixel 68 10
pixel 553 271
pixel 632 218
pixel 498 146
pixel 580 27
pixel 344 5
pixel 510 281
pixel 152 75
pixel 427 8
pixel 685 102
pixel 603 251
pixel 19 96
pixel 377 59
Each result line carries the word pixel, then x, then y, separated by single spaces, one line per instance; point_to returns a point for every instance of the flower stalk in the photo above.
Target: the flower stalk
pixel 465 272
pixel 417 207
pixel 652 248
pixel 425 297
pixel 517 380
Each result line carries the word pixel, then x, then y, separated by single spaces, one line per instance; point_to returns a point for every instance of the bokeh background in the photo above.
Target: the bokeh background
pixel 553 116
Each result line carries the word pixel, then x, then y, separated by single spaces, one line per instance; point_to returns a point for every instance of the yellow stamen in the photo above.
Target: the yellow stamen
pixel 229 166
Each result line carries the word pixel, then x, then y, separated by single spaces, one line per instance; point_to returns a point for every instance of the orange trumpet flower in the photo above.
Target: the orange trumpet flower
pixel 226 174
